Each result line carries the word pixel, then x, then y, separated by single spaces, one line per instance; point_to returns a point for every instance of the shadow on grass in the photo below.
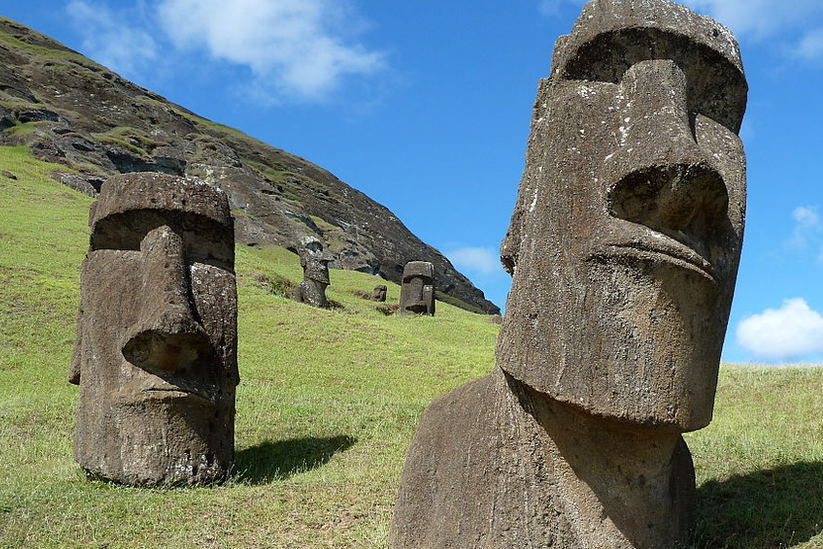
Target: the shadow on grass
pixel 769 509
pixel 279 460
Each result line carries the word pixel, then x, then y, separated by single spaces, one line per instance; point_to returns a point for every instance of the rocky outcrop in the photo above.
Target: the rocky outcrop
pixel 69 110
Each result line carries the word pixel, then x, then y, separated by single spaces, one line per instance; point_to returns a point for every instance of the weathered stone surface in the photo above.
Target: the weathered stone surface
pixel 490 468
pixel 623 246
pixel 156 351
pixel 315 262
pixel 77 183
pixel 417 289
pixel 379 292
pixel 6 120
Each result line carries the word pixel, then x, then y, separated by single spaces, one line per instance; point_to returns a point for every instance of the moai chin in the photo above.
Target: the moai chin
pixel 315 262
pixel 623 246
pixel 417 289
pixel 156 351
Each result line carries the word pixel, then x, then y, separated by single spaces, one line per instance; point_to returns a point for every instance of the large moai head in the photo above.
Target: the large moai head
pixel 156 352
pixel 417 289
pixel 625 239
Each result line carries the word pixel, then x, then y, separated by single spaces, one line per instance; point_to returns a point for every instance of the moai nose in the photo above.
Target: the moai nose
pixel 167 336
pixel 663 179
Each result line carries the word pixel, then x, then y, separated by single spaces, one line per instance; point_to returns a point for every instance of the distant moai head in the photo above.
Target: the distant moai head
pixel 417 289
pixel 315 262
pixel 379 292
pixel 625 240
pixel 315 259
pixel 156 352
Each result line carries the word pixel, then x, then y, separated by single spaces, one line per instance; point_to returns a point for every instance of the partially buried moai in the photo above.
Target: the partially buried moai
pixel 417 289
pixel 379 293
pixel 156 351
pixel 315 262
pixel 623 246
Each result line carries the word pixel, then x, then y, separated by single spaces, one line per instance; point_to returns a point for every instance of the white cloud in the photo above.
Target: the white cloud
pixel 108 40
pixel 807 228
pixel 303 48
pixel 748 131
pixel 482 260
pixel 807 216
pixel 811 46
pixel 549 7
pixel 758 17
pixel 793 331
pixel 790 22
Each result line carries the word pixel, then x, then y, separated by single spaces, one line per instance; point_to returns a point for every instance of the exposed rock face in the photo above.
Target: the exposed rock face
pixel 379 293
pixel 75 112
pixel 315 262
pixel 156 351
pixel 623 246
pixel 417 290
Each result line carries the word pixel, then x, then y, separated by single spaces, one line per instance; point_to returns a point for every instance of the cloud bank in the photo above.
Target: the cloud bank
pixel 761 18
pixel 791 332
pixel 796 24
pixel 302 48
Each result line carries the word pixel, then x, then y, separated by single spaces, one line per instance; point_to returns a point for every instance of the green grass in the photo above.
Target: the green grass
pixel 44 51
pixel 22 130
pixel 760 463
pixel 130 139
pixel 328 403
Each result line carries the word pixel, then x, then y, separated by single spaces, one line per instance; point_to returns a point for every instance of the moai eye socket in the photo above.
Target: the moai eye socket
pixel 124 231
pixel 716 88
pixel 206 241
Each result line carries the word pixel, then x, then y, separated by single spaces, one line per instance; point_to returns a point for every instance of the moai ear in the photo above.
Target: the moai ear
pixel 92 213
pixel 77 354
pixel 510 247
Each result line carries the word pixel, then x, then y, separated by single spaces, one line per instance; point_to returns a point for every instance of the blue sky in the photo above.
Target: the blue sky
pixel 425 107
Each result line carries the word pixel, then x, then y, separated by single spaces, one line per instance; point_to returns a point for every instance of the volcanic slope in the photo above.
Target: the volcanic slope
pixel 72 111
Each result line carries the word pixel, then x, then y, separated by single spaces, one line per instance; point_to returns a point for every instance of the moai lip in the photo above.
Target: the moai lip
pixel 156 351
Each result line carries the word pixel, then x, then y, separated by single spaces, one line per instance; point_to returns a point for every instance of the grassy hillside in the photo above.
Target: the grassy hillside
pixel 328 403
pixel 70 110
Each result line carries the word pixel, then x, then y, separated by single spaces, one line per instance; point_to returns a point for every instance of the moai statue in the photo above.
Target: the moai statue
pixel 315 262
pixel 156 351
pixel 379 293
pixel 417 290
pixel 623 246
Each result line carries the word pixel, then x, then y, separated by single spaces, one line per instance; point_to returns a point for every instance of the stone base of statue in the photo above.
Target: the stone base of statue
pixel 497 465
